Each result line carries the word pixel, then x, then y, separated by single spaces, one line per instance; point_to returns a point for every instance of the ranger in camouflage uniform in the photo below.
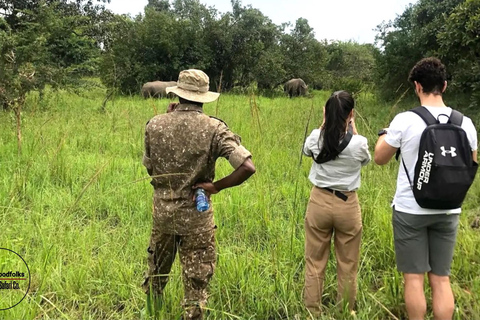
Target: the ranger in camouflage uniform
pixel 181 148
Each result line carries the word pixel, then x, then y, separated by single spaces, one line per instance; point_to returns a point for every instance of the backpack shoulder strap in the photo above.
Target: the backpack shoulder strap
pixel 426 116
pixel 456 118
pixel 345 141
pixel 341 147
pixel 423 113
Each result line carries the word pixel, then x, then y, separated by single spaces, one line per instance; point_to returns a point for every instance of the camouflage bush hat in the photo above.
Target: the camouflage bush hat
pixel 193 85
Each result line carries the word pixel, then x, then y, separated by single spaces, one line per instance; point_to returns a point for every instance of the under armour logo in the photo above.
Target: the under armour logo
pixel 451 151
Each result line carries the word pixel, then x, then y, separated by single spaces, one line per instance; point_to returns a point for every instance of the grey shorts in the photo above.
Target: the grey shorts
pixel 424 243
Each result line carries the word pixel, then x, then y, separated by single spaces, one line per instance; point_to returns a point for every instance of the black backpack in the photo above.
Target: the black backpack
pixel 445 169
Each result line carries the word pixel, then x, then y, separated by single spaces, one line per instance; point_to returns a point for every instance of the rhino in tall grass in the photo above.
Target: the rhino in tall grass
pixel 295 88
pixel 157 89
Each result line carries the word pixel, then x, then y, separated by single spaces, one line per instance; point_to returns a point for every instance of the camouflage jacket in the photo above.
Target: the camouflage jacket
pixel 181 148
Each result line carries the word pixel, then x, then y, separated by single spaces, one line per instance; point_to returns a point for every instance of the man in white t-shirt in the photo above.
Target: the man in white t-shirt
pixel 424 238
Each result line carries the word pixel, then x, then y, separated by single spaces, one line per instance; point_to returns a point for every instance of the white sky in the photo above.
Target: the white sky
pixel 332 20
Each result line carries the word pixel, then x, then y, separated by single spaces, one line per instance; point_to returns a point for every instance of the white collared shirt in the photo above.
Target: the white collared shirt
pixel 343 173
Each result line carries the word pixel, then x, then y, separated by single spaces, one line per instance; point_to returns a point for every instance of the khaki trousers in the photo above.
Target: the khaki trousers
pixel 197 258
pixel 326 215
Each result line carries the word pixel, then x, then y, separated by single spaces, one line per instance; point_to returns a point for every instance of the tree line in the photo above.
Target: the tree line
pixel 61 43
pixel 448 29
pixel 236 49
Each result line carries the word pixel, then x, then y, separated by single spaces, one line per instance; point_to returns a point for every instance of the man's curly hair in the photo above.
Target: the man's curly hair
pixel 430 73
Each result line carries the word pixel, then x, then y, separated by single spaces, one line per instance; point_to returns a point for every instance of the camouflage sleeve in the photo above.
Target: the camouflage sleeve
pixel 229 146
pixel 147 162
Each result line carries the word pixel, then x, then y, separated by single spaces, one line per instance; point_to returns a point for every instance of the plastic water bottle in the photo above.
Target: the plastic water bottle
pixel 201 200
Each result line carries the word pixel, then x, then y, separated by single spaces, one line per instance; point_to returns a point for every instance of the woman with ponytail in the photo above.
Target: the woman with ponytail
pixel 339 152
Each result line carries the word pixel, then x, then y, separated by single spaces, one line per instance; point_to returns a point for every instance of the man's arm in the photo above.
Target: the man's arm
pixel 474 156
pixel 147 162
pixel 237 177
pixel 383 151
pixel 226 144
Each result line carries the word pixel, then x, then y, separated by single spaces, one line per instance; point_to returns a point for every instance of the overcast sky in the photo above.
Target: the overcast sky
pixel 332 20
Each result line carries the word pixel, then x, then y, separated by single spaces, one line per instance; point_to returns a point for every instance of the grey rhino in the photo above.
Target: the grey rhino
pixel 156 89
pixel 295 87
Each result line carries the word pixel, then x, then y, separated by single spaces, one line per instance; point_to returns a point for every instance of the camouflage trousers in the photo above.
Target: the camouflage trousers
pixel 197 258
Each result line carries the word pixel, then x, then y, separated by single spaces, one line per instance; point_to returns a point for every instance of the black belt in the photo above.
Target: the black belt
pixel 337 193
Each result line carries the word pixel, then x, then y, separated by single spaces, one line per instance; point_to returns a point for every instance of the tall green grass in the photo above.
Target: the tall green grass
pixel 77 206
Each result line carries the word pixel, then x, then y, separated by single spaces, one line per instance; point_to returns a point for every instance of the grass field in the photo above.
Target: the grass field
pixel 77 206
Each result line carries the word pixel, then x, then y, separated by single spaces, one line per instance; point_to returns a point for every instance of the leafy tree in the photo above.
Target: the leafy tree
pixel 398 53
pixel 304 56
pixel 236 48
pixel 44 46
pixel 351 59
pixel 119 67
pixel 53 46
pixel 219 39
pixel 155 46
pixel 193 19
pixel 158 5
pixel 349 66
pixel 268 71
pixel 17 70
pixel 410 37
pixel 13 10
pixel 429 18
pixel 254 48
pixel 460 48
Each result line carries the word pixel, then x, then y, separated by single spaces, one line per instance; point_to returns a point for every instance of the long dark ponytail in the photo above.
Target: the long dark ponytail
pixel 337 110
